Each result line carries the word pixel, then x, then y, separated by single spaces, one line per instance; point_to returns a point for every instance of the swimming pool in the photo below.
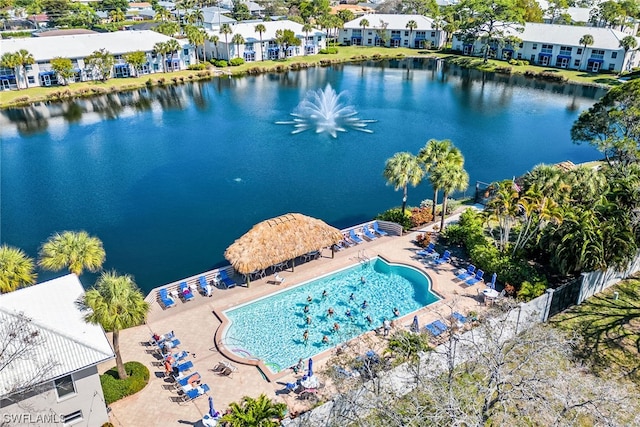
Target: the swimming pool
pixel 272 328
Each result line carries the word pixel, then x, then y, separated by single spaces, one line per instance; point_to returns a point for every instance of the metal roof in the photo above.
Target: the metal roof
pixel 393 21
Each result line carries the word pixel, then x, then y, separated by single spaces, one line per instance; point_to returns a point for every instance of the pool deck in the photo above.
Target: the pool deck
pixel 195 324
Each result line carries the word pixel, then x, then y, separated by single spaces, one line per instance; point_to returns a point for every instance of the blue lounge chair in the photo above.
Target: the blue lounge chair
pixel 430 249
pixel 434 329
pixel 166 300
pixel 186 366
pixel 194 393
pixel 470 272
pixel 458 317
pixel 182 382
pixel 476 279
pixel 205 288
pixel 185 291
pixel 446 256
pixel 354 237
pixel 377 230
pixel 368 234
pixel 438 324
pixel 227 281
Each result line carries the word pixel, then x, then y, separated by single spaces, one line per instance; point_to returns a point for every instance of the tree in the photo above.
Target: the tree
pixel 628 43
pixel 586 40
pixel 431 155
pixel 364 23
pixel 240 11
pixel 411 25
pixel 532 10
pixel 24 59
pixel 255 412
pixel 136 60
pixel 56 10
pixel 260 29
pixel 490 20
pixel 63 67
pixel 16 270
pixel 167 28
pixel 162 14
pixel 237 39
pixel 306 29
pixel 612 125
pixel 286 38
pixel 116 15
pixel 346 15
pixel 196 17
pixel 215 40
pixel 76 251
pixel 225 30
pixel 172 47
pixel 116 303
pixel 609 13
pixel 162 49
pixel 402 170
pixel 196 36
pixel 556 9
pixel 108 5
pixel 101 61
pixel 450 176
pixel 10 60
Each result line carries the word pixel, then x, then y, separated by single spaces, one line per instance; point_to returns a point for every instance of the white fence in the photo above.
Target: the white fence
pixel 598 281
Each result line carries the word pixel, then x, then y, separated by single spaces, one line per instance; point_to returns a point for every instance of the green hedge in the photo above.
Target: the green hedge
pixel 395 215
pixel 115 389
pixel 236 61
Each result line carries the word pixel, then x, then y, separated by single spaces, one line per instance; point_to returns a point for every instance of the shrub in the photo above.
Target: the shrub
pixel 420 216
pixel 396 215
pixel 503 70
pixel 329 51
pixel 426 203
pixel 236 61
pixel 529 291
pixel 219 63
pixel 454 235
pixel 200 66
pixel 115 389
pixel 424 239
pixel 452 205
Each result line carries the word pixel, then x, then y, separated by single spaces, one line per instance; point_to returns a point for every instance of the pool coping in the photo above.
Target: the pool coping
pixel 269 375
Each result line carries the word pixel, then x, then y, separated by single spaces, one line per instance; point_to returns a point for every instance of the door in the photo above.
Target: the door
pixel 563 63
pixel 544 61
pixel 4 84
pixel 46 80
pixel 595 67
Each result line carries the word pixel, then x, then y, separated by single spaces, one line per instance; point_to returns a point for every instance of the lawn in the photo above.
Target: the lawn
pixel 610 329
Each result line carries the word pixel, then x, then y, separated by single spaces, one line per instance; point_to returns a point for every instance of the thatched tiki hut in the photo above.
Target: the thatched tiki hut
pixel 279 240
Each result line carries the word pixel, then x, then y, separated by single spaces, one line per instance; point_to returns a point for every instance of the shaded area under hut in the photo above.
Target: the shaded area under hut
pixel 280 240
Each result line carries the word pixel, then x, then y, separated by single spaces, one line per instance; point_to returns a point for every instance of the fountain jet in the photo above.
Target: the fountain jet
pixel 324 111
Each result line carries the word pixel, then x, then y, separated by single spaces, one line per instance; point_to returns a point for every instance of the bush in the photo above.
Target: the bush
pixel 329 51
pixel 452 205
pixel 115 389
pixel 220 63
pixel 420 216
pixel 200 66
pixel 454 234
pixel 236 61
pixel 529 291
pixel 396 215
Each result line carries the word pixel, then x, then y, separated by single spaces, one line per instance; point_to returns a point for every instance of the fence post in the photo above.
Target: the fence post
pixel 547 307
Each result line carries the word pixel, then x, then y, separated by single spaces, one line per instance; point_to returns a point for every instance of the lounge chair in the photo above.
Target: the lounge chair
pixel 166 300
pixel 222 365
pixel 446 257
pixel 436 328
pixel 205 288
pixel 468 273
pixel 278 279
pixel 186 366
pixel 377 230
pixel 196 392
pixel 354 237
pixel 339 246
pixel 476 278
pixel 178 356
pixel 429 250
pixel 458 317
pixel 167 345
pixel 368 234
pixel 185 291
pixel 347 242
pixel 226 372
pixel 227 281
pixel 182 382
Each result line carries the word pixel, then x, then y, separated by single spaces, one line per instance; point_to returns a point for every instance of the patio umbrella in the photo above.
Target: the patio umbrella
pixel 212 411
pixel 492 285
pixel 310 373
pixel 415 326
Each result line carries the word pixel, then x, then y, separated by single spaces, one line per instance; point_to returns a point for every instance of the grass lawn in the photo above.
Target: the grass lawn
pixel 610 329
pixel 345 54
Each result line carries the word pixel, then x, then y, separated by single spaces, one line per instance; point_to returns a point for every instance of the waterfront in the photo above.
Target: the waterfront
pixel 169 178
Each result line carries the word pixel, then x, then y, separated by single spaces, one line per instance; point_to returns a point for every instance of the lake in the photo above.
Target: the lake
pixel 168 178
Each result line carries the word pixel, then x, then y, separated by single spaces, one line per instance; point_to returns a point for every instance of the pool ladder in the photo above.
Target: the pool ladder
pixel 363 257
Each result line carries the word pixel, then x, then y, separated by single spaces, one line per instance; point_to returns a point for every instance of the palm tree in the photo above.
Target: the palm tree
pixel 25 59
pixel 116 303
pixel 196 37
pixel 411 25
pixel 196 17
pixel 306 29
pixel 162 49
pixel 117 15
pixel 431 155
pixel 628 43
pixel 504 208
pixel 162 15
pixel 255 412
pixel 10 60
pixel 16 269
pixel 237 39
pixel 586 40
pixel 450 176
pixel 172 47
pixel 260 29
pixel 76 251
pixel 226 30
pixel 215 39
pixel 401 170
pixel 364 23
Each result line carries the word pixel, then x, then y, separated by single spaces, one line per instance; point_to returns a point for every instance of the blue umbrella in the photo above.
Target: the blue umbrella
pixel 310 373
pixel 212 411
pixel 415 327
pixel 492 284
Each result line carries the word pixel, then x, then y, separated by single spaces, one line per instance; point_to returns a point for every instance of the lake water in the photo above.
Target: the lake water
pixel 169 178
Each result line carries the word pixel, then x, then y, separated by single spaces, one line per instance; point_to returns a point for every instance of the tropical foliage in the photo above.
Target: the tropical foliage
pixel 402 170
pixel 252 412
pixel 76 251
pixel 16 269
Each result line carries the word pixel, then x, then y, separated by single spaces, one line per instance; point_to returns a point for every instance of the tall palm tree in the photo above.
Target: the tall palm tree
pixel 16 269
pixel 162 49
pixel 10 60
pixel 451 177
pixel 402 170
pixel 225 29
pixel 586 40
pixel 306 29
pixel 162 14
pixel 411 25
pixel 196 37
pixel 431 155
pixel 117 15
pixel 255 412
pixel 628 43
pixel 237 39
pixel 172 47
pixel 260 29
pixel 504 208
pixel 25 59
pixel 215 40
pixel 116 303
pixel 196 17
pixel 76 251
pixel 364 23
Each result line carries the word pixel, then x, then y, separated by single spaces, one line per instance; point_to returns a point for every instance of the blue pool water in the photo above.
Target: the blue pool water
pixel 272 328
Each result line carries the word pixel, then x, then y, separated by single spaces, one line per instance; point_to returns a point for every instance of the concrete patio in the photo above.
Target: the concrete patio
pixel 195 324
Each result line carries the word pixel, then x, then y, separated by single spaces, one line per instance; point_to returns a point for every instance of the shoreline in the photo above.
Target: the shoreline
pixel 79 90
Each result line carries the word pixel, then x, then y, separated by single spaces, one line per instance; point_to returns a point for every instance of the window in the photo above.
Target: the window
pixel 72 418
pixel 547 48
pixel 28 67
pixel 368 41
pixel 406 42
pixel 576 63
pixel 65 386
pixel 186 51
pixel 612 67
pixel 521 45
pixel 433 33
pixel 535 46
pixel 614 55
pixel 406 33
pixel 519 55
pixel 32 80
pixel 597 54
